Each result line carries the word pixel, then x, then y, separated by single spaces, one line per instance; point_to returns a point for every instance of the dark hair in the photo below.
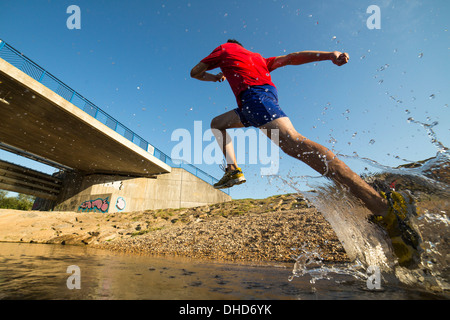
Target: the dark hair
pixel 234 41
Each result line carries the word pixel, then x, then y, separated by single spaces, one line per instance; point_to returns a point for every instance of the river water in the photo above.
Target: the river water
pixel 40 272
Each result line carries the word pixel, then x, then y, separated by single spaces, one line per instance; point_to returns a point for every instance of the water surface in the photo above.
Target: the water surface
pixel 38 272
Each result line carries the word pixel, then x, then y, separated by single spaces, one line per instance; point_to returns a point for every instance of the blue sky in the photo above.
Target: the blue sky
pixel 133 58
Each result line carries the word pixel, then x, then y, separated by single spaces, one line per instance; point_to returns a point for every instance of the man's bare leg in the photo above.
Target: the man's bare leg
pixel 325 162
pixel 219 125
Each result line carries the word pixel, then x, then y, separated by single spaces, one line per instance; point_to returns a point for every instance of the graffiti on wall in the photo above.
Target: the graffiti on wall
pixel 97 205
pixel 120 204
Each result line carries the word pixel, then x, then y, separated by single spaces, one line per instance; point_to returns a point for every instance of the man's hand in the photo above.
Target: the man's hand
pixel 339 58
pixel 199 73
pixel 220 77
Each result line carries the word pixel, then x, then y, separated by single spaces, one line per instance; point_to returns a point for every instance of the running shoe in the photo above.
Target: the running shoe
pixel 400 226
pixel 230 178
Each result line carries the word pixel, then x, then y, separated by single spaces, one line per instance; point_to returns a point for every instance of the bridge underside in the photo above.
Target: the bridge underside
pixel 100 169
pixel 38 121
pixel 24 180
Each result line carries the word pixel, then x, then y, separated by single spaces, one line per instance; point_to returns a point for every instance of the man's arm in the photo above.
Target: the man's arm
pixel 199 72
pixel 297 58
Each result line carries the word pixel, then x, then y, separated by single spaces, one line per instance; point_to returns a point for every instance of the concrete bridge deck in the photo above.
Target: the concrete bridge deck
pixel 39 121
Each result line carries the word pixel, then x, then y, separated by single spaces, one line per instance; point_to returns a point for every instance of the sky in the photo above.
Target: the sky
pixel 133 59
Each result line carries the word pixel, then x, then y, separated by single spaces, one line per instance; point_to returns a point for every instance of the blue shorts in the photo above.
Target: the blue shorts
pixel 259 106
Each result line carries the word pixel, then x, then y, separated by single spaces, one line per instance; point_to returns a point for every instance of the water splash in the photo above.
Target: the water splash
pixel 311 263
pixel 361 240
pixel 367 245
pixel 431 134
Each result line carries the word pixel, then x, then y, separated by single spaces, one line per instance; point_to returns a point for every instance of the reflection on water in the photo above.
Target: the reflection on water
pixel 34 271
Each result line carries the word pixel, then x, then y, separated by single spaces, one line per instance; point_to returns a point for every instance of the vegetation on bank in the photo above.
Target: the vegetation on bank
pixel 20 202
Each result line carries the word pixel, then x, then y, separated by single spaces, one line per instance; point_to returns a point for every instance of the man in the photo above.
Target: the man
pixel 248 74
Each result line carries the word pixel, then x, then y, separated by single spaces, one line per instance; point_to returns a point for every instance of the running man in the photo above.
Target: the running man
pixel 248 75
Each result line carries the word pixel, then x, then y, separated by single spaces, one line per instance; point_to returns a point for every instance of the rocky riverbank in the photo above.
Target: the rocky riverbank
pixel 252 230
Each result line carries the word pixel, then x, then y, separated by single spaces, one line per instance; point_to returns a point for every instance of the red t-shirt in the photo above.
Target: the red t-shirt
pixel 241 67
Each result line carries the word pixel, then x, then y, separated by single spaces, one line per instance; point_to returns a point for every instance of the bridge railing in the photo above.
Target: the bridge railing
pixel 21 62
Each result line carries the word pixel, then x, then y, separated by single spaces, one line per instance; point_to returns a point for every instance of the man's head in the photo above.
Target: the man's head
pixel 234 41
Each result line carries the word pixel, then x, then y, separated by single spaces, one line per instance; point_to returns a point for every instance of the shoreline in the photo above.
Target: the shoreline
pixel 248 230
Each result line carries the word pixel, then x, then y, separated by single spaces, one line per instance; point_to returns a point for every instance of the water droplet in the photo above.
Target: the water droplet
pixel 382 68
pixel 380 82
pixel 333 38
pixel 420 55
pixel 432 96
pixel 371 141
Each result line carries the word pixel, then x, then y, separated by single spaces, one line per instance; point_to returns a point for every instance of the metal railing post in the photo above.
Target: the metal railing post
pixel 42 76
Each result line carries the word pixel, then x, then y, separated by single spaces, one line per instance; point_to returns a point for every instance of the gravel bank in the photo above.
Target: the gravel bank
pixel 251 230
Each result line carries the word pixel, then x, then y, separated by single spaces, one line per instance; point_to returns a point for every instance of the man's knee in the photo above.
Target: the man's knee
pixel 217 123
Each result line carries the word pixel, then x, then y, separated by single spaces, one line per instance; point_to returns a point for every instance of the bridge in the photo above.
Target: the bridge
pixel 44 119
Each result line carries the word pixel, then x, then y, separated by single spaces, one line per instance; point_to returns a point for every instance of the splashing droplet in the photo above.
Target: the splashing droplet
pixel 4 101
pixel 382 68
